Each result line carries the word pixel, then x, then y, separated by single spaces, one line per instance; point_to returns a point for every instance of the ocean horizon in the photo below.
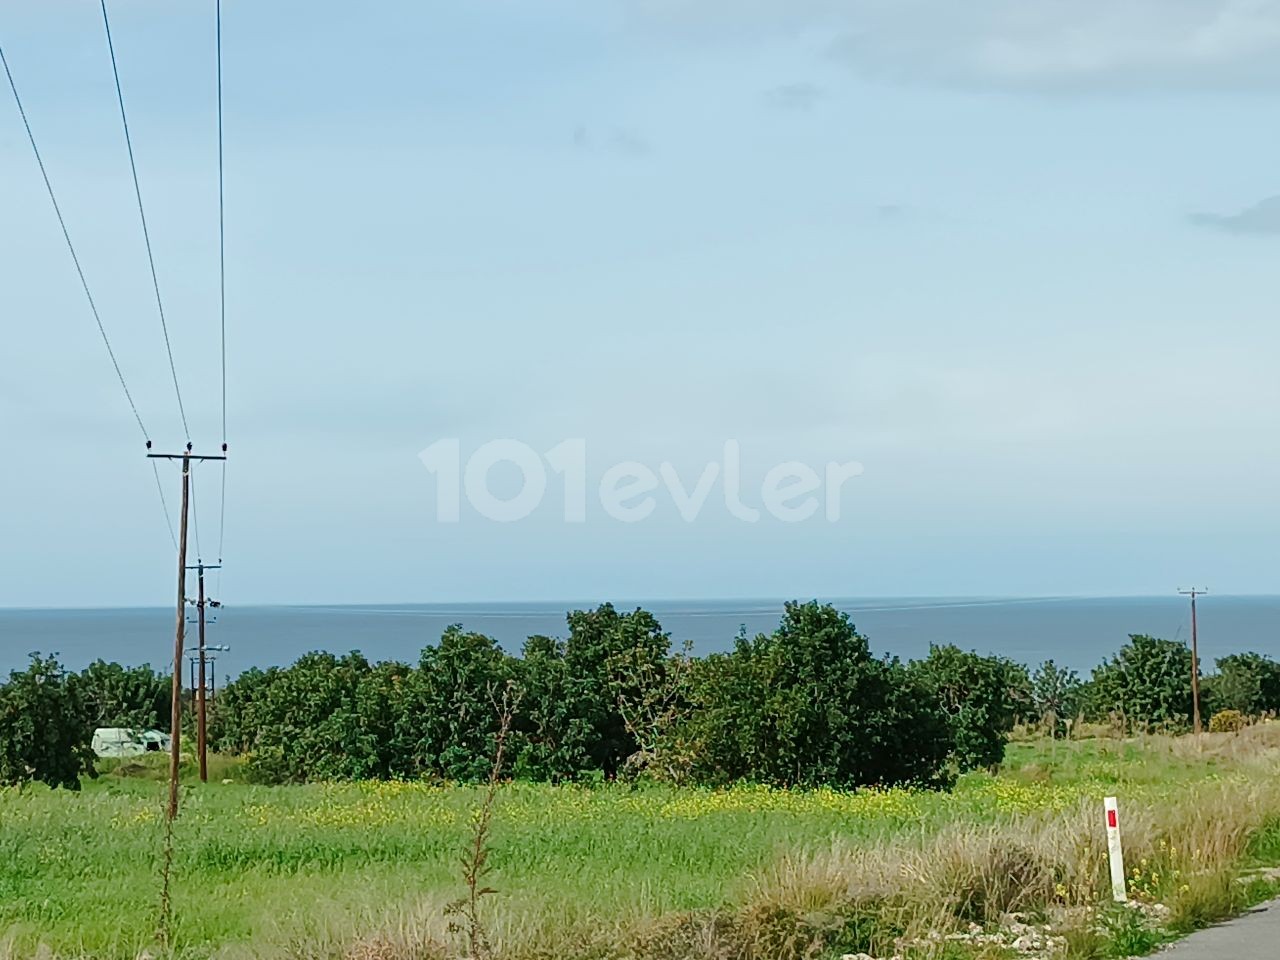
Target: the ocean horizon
pixel 1078 632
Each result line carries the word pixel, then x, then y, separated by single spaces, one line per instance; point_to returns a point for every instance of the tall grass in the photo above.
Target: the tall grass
pixel 365 871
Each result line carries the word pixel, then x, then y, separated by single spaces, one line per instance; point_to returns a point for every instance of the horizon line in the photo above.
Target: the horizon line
pixel 583 603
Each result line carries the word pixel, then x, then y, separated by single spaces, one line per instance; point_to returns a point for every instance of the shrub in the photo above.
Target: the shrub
pixel 1127 932
pixel 448 723
pixel 304 722
pixel 116 696
pixel 241 711
pixel 553 743
pixel 808 705
pixel 1247 682
pixel 1147 684
pixel 1227 721
pixel 268 768
pixel 610 657
pixel 1056 694
pixel 982 697
pixel 1206 898
pixel 44 728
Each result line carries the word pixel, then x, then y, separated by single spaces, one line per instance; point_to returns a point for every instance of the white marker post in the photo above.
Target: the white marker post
pixel 1118 891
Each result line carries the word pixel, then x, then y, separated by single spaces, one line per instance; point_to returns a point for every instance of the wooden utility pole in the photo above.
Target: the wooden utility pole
pixel 200 706
pixel 1195 659
pixel 175 714
pixel 202 749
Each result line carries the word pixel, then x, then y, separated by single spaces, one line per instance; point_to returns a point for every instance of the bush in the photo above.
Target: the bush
pixel 241 711
pixel 808 706
pixel 1056 694
pixel 44 728
pixel 981 696
pixel 1228 721
pixel 307 721
pixel 447 725
pixel 611 658
pixel 1127 932
pixel 1247 682
pixel 268 768
pixel 1147 685
pixel 553 743
pixel 116 696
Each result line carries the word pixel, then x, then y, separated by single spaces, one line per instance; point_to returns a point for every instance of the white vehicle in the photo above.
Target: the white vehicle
pixel 123 742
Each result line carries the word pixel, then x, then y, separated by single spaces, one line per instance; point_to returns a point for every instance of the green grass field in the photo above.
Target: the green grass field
pixel 306 871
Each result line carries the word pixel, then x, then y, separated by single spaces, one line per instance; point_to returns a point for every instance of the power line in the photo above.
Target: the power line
pixel 222 229
pixel 142 215
pixel 222 513
pixel 222 526
pixel 195 516
pixel 164 505
pixel 222 283
pixel 66 235
pixel 84 284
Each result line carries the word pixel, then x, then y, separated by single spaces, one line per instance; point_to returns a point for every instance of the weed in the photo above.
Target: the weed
pixel 1126 932
pixel 476 860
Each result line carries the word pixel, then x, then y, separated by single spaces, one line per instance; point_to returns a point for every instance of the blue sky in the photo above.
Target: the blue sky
pixel 1016 258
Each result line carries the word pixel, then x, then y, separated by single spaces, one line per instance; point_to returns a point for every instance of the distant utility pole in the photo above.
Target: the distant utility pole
pixel 1194 592
pixel 214 648
pixel 201 715
pixel 208 655
pixel 175 714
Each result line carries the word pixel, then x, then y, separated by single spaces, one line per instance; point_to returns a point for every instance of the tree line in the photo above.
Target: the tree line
pixel 806 705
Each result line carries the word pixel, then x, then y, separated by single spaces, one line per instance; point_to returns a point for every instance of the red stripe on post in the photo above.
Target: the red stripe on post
pixel 1111 819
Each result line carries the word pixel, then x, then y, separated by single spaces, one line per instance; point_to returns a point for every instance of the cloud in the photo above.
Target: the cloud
pixel 795 96
pixel 1068 43
pixel 733 19
pixel 628 144
pixel 1261 218
pixel 1015 44
pixel 624 143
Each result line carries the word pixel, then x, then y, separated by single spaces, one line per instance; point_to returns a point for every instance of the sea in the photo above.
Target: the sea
pixel 1077 632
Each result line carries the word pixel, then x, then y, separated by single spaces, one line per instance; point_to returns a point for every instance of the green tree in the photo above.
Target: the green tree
pixel 609 656
pixel 450 724
pixel 1247 682
pixel 133 697
pixel 653 700
pixel 382 698
pixel 809 705
pixel 239 714
pixel 1055 694
pixel 554 736
pixel 982 696
pixel 1147 685
pixel 305 721
pixel 44 728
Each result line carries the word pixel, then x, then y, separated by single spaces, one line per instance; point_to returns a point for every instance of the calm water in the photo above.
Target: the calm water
pixel 1074 631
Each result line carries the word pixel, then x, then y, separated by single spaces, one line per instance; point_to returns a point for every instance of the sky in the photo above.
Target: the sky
pixel 1016 259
